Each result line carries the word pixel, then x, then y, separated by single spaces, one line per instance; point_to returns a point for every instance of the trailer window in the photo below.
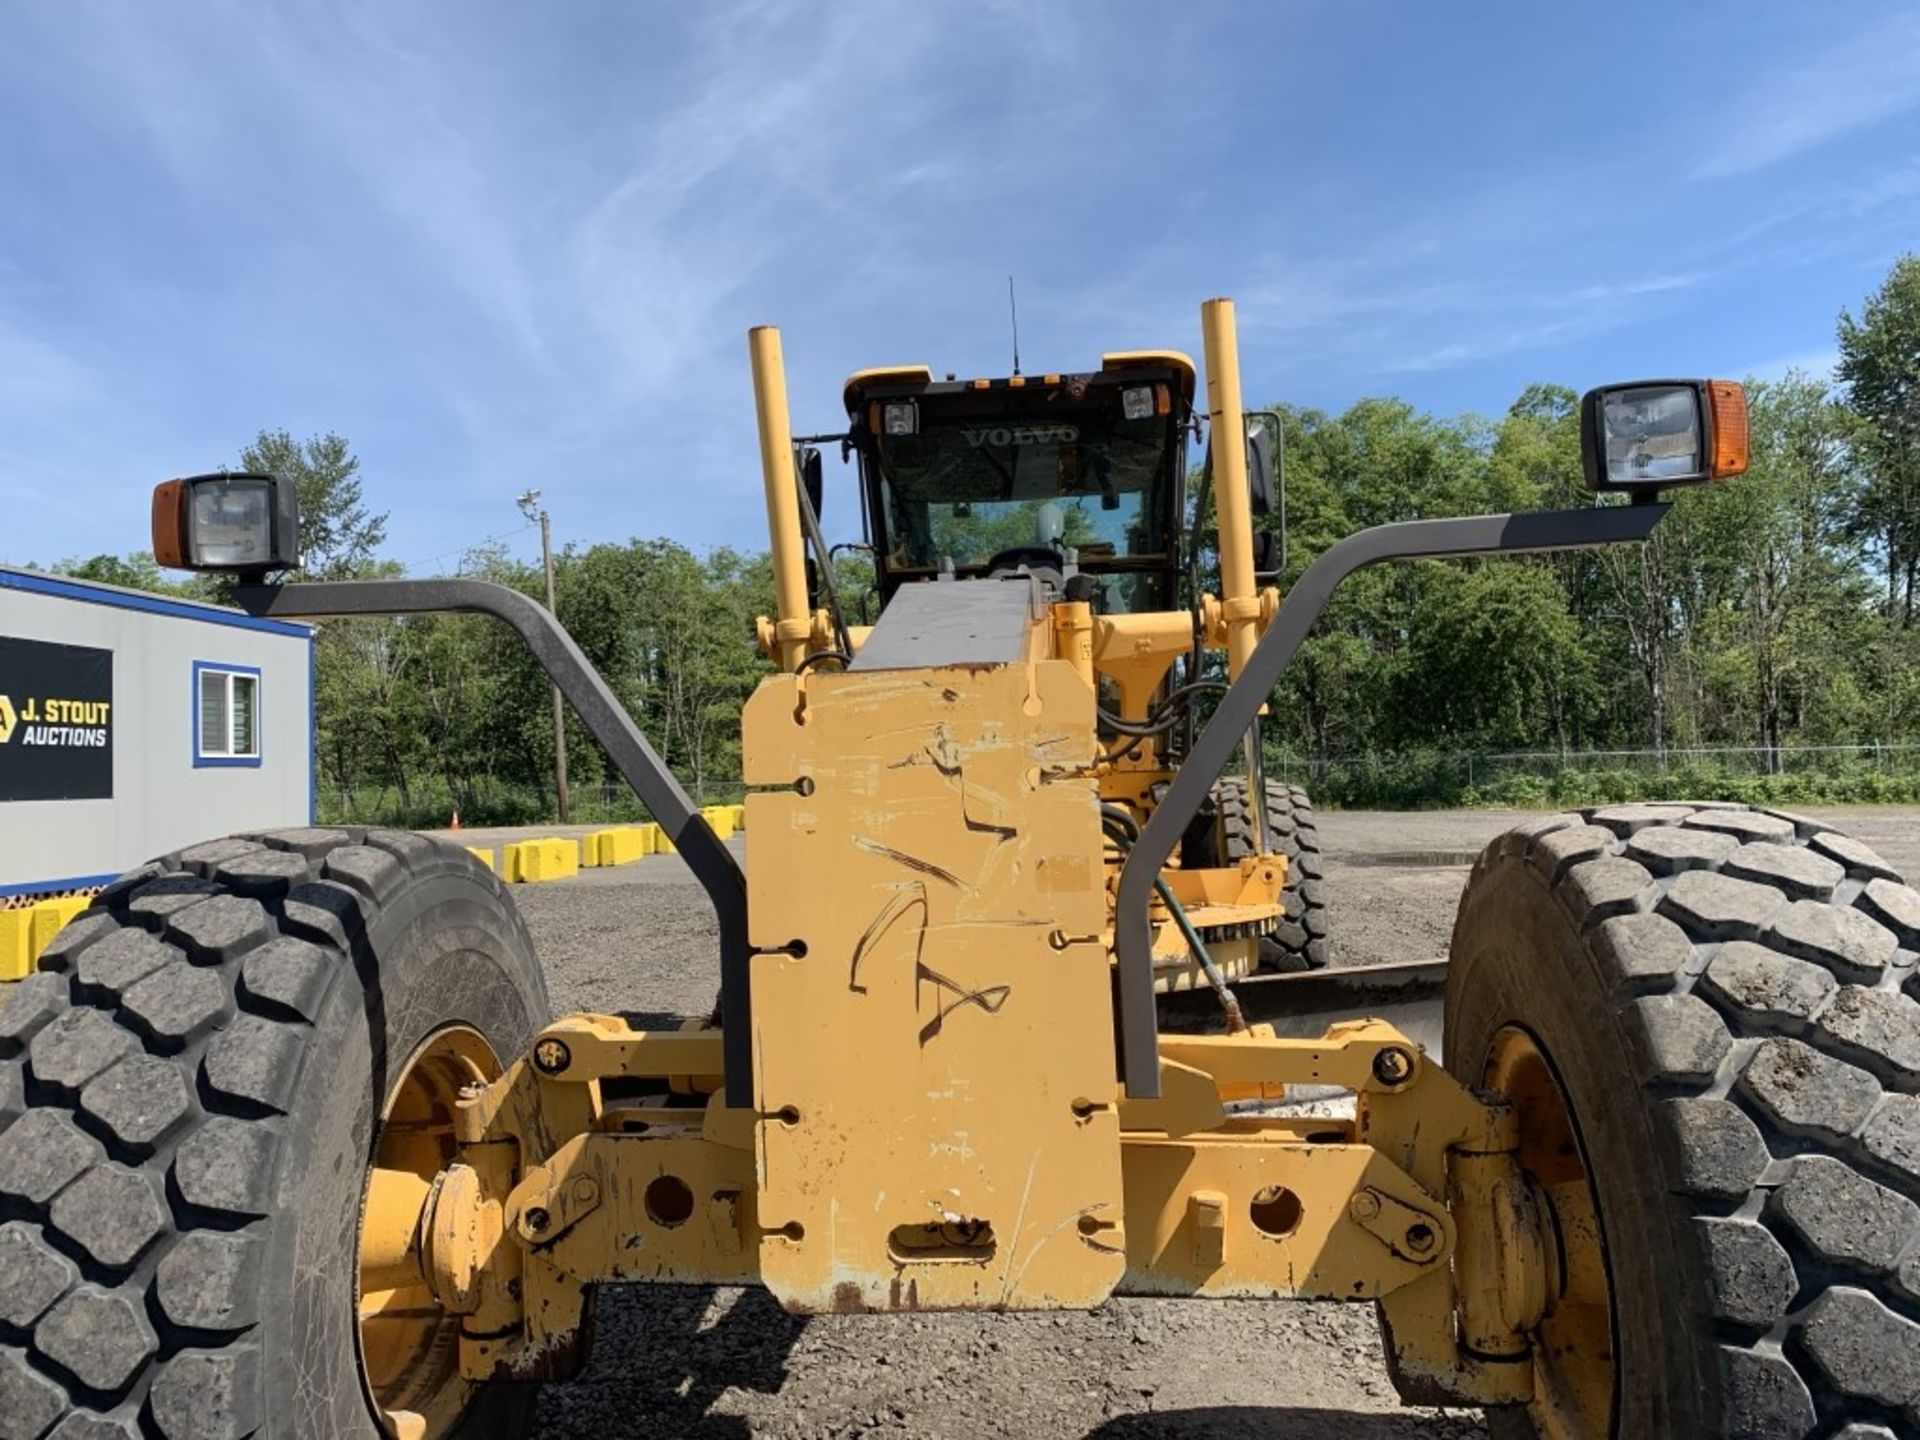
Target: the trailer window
pixel 226 722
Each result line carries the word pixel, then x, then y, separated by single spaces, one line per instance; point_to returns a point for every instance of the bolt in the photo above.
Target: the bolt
pixel 1364 1206
pixel 584 1190
pixel 1420 1238
pixel 552 1056
pixel 1393 1066
pixel 538 1220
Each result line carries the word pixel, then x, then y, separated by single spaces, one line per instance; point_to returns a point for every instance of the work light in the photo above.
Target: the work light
pixel 248 524
pixel 1653 434
pixel 1136 402
pixel 902 417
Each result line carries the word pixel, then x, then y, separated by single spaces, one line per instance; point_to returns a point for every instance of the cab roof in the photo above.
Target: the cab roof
pixel 911 376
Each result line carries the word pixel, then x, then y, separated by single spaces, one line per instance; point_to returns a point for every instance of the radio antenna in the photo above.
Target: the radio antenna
pixel 1013 313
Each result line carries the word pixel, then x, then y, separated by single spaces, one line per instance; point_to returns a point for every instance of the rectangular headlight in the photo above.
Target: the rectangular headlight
pixel 244 523
pixel 232 524
pixel 1654 434
pixel 1136 402
pixel 901 417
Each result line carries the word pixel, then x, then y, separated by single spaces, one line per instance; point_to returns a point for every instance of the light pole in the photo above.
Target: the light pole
pixel 531 507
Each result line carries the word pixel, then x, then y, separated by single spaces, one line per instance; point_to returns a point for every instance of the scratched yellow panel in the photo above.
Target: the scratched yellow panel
pixel 942 1051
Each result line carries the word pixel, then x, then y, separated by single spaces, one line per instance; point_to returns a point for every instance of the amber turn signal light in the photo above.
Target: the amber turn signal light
pixel 170 524
pixel 1727 400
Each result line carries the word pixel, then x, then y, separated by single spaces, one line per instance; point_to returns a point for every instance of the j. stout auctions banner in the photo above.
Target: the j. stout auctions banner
pixel 56 721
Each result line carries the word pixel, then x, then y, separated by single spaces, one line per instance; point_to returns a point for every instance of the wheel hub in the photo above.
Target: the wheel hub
pixel 410 1342
pixel 1571 1318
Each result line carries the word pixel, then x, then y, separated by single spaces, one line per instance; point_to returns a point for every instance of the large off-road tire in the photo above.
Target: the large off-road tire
pixel 1299 939
pixel 189 1098
pixel 1707 1018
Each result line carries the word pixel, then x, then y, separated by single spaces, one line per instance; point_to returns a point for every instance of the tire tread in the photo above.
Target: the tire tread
pixel 1758 977
pixel 142 1076
pixel 1299 939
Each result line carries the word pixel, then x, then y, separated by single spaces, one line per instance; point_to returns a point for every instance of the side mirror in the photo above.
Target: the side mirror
pixel 1651 435
pixel 806 465
pixel 1260 467
pixel 1269 558
pixel 1267 490
pixel 244 524
pixel 807 462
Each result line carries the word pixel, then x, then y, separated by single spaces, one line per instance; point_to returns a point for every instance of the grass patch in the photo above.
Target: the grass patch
pixel 1441 783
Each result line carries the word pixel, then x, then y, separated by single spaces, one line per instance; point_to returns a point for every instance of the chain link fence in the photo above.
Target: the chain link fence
pixel 1876 772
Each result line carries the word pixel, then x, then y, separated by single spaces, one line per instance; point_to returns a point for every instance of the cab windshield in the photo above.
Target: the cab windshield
pixel 988 473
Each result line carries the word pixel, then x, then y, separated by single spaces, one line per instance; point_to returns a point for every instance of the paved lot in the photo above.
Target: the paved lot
pixel 725 1363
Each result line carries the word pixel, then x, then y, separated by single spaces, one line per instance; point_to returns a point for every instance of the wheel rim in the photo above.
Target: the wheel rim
pixel 409 1345
pixel 1573 1350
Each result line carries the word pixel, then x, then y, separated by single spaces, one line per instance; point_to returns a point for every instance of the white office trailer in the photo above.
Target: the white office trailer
pixel 134 724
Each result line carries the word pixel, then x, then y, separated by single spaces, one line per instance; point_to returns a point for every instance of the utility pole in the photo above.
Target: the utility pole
pixel 531 507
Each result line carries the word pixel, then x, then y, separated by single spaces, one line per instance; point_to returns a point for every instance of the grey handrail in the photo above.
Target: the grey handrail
pixel 606 720
pixel 1239 709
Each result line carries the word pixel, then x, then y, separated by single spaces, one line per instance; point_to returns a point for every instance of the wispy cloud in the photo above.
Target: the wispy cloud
pixel 1817 363
pixel 491 243
pixel 1869 74
pixel 401 123
pixel 1508 342
pixel 712 188
pixel 1378 305
pixel 1632 289
pixel 36 374
pixel 1521 263
pixel 232 96
pixel 1568 315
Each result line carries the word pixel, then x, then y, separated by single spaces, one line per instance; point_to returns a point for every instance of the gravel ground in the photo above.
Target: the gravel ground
pixel 671 1362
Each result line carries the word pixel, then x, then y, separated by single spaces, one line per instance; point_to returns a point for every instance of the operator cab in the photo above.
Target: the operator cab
pixel 985 477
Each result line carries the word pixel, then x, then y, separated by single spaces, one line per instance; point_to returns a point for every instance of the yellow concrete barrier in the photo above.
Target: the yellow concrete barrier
pixel 720 817
pixel 49 916
pixel 531 861
pixel 25 932
pixel 484 854
pixel 619 846
pixel 16 944
pixel 661 844
pixel 739 816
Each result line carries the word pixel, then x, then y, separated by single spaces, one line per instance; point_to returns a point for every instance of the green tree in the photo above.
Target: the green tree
pixel 1880 366
pixel 131 572
pixel 1496 661
pixel 338 533
pixel 1781 579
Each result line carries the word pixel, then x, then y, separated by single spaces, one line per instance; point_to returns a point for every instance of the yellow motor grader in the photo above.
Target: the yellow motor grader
pixel 291 1145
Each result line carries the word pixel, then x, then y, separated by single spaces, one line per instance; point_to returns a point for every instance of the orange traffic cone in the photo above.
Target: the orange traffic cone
pixel 456 819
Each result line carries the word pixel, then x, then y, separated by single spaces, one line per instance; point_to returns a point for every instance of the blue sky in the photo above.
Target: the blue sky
pixel 501 246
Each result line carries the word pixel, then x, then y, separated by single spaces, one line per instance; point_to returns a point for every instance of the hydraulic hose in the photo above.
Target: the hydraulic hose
pixel 1124 830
